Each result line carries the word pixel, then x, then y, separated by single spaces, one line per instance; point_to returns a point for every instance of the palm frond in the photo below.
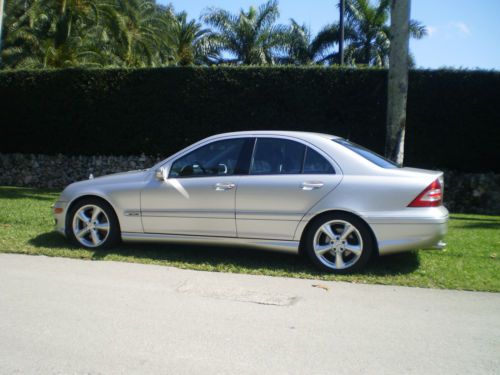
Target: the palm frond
pixel 417 29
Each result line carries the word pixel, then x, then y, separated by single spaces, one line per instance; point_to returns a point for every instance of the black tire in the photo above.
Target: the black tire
pixel 327 261
pixel 108 238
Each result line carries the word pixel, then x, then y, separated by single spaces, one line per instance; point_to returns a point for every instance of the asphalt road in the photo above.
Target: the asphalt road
pixel 63 316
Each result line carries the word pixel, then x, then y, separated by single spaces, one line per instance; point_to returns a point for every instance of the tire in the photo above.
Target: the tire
pixel 92 223
pixel 338 243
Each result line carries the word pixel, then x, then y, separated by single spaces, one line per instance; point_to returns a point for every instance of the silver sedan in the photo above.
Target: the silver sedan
pixel 300 192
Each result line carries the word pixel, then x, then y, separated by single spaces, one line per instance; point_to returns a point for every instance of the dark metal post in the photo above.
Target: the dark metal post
pixel 341 35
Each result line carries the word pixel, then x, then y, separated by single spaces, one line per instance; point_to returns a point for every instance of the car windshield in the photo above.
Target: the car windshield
pixel 367 154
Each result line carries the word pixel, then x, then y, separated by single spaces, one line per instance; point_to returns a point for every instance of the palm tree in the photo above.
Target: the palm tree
pixel 326 41
pixel 138 31
pixel 64 33
pixel 186 39
pixel 367 34
pixel 48 33
pixel 251 37
pixel 303 49
pixel 299 49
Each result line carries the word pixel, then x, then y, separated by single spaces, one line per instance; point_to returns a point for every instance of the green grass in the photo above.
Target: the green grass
pixel 471 260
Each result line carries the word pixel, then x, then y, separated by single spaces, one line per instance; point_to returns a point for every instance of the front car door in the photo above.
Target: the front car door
pixel 286 179
pixel 198 197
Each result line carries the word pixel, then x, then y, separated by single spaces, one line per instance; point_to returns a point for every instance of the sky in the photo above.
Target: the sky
pixel 461 33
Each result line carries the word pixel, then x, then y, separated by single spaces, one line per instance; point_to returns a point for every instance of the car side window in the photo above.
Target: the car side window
pixel 219 158
pixel 277 156
pixel 314 163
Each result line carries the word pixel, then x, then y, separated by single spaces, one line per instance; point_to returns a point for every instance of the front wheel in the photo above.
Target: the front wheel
pixel 92 223
pixel 339 243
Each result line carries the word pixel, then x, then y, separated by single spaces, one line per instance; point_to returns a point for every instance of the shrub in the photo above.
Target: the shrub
pixel 453 120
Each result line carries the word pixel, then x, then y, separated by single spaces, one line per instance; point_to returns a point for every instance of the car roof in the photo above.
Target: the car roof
pixel 290 133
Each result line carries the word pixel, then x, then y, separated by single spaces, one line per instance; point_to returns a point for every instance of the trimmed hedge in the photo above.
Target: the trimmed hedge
pixel 453 116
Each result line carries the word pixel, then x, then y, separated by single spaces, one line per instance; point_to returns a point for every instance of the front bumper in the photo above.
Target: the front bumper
pixel 59 212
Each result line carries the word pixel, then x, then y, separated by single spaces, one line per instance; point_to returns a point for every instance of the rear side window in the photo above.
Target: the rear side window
pixel 277 156
pixel 314 163
pixel 283 156
pixel 367 154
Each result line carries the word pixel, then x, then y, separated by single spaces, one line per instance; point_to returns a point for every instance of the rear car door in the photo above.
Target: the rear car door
pixel 286 178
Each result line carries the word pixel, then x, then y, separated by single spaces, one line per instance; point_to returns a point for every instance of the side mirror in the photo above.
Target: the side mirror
pixel 161 174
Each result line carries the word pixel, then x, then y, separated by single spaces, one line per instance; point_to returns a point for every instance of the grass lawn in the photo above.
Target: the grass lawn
pixel 471 260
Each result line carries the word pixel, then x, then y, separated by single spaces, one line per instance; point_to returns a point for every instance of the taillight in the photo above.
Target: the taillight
pixel 432 196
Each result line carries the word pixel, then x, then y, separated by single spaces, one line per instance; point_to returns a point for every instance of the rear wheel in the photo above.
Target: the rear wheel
pixel 339 243
pixel 92 223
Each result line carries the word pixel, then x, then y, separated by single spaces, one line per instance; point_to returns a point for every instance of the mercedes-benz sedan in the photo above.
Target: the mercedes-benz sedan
pixel 309 193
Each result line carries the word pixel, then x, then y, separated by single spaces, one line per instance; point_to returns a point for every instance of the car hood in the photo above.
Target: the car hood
pixel 95 183
pixel 115 178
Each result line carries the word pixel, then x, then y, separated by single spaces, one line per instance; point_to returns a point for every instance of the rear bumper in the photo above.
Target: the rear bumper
pixel 423 229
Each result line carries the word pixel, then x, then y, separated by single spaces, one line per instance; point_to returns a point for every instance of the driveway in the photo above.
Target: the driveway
pixel 61 316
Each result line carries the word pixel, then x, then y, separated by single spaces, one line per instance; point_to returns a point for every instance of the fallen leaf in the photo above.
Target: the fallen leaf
pixel 320 286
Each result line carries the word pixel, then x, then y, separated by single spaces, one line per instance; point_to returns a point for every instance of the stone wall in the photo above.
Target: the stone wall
pixel 464 192
pixel 55 172
pixel 477 193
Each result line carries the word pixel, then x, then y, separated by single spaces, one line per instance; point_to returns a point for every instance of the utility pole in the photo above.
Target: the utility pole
pixel 398 81
pixel 341 34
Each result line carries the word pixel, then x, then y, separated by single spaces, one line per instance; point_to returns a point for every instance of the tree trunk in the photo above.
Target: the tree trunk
pixel 367 52
pixel 398 81
pixel 1 25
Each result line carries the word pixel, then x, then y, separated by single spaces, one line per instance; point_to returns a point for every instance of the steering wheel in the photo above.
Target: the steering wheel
pixel 198 164
pixel 188 170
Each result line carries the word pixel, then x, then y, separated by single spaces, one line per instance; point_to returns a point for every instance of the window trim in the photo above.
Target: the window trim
pixel 254 147
pixel 167 163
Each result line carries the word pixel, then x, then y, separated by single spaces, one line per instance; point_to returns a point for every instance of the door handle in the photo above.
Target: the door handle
pixel 220 186
pixel 311 185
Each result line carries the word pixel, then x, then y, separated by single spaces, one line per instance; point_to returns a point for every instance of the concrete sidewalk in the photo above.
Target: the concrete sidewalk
pixel 61 316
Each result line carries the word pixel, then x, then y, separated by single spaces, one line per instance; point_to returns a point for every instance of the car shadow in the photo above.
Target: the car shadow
pixel 395 264
pixel 51 240
pixel 230 258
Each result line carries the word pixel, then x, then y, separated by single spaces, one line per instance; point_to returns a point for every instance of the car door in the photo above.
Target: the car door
pixel 198 197
pixel 286 179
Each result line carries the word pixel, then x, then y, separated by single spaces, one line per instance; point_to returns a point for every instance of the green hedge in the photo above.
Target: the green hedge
pixel 453 116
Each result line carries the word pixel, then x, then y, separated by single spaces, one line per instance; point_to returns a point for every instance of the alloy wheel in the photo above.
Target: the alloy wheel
pixel 338 244
pixel 91 225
